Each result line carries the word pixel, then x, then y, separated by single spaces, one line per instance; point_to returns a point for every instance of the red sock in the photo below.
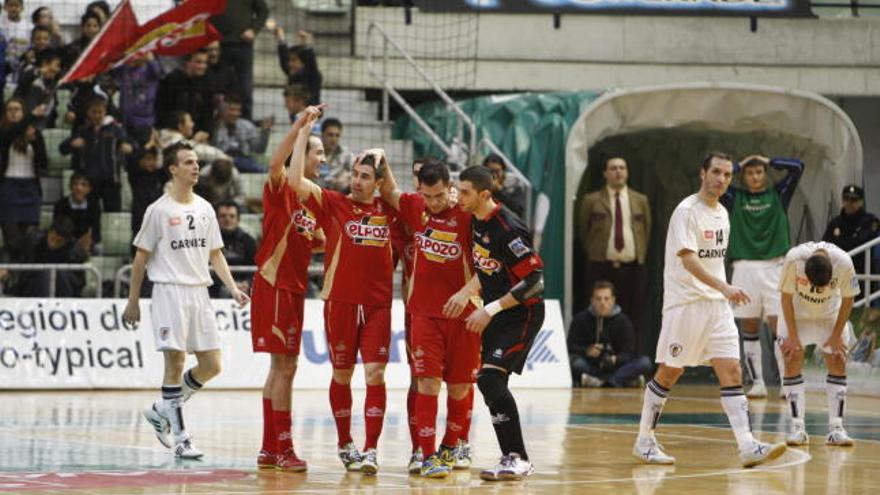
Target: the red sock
pixel 411 417
pixel 340 404
pixel 426 415
pixel 268 428
pixel 281 421
pixel 374 414
pixel 468 403
pixel 457 419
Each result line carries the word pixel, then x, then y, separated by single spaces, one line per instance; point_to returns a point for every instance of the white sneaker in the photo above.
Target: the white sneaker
pixel 516 468
pixel 590 381
pixel 757 391
pixel 760 452
pixel 160 425
pixel 798 437
pixel 415 462
pixel 491 474
pixel 370 462
pixel 649 451
pixel 185 450
pixel 350 457
pixel 462 455
pixel 838 436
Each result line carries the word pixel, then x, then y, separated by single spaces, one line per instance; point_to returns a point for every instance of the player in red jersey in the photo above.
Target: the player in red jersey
pixel 441 347
pixel 357 294
pixel 289 232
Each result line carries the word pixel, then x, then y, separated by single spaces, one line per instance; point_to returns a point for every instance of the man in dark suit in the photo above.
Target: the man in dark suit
pixel 615 224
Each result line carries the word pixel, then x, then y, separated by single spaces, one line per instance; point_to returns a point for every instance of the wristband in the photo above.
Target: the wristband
pixel 493 308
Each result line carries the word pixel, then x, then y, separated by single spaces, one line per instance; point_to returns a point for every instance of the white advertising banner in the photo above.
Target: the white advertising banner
pixel 83 343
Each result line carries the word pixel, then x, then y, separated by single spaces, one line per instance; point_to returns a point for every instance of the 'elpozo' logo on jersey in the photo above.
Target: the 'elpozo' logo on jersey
pixel 438 246
pixel 369 231
pixel 305 223
pixel 484 262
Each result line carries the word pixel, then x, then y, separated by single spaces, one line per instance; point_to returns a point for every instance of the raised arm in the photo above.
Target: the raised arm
pixel 390 191
pixel 282 152
pixel 793 169
pixel 296 175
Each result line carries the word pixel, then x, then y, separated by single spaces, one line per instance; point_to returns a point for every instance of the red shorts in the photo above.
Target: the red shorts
pixel 444 348
pixel 276 319
pixel 357 327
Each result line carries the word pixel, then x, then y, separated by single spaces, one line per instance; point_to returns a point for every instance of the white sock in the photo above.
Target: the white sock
pixel 652 406
pixel 752 356
pixel 795 394
pixel 190 385
pixel 780 359
pixel 736 406
pixel 172 409
pixel 835 389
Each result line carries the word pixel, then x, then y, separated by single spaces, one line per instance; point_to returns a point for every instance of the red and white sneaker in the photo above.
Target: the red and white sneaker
pixel 290 463
pixel 266 460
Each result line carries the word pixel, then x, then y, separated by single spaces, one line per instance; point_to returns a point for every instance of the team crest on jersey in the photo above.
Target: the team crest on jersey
pixel 708 234
pixel 173 221
pixel 484 262
pixel 438 245
pixel 368 231
pixel 675 349
pixel 304 223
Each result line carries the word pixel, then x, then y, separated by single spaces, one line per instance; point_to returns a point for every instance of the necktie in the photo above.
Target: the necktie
pixel 618 223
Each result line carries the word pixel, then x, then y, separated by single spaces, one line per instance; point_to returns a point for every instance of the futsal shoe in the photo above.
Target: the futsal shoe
pixel 266 460
pixel 350 457
pixel 290 463
pixel 491 474
pixel 160 425
pixel 516 468
pixel 798 437
pixel 462 455
pixel 838 437
pixel 757 391
pixel 435 467
pixel 415 462
pixel 370 462
pixel 760 452
pixel 185 450
pixel 649 451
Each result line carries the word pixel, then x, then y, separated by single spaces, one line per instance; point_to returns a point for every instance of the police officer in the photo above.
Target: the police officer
pixel 853 227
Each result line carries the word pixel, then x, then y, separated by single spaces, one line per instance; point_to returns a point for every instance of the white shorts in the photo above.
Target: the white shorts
pixel 692 334
pixel 760 280
pixel 183 318
pixel 816 331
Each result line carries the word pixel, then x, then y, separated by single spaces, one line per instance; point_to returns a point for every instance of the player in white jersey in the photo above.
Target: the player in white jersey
pixel 818 287
pixel 698 326
pixel 177 241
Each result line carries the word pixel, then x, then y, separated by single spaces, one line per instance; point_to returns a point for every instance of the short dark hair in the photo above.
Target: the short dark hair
pixel 479 176
pixel 89 15
pixel 370 160
pixel 614 158
pixel 707 160
pixel 95 101
pixel 228 203
pixel 41 28
pixel 232 99
pixel 297 91
pixel 818 270
pixel 330 122
pixel 754 162
pixel 604 284
pixel 77 176
pixel 170 153
pixel 63 226
pixel 47 56
pixel 433 172
pixel 494 158
pixel 175 118
pixel 423 160
pixel 35 15
pixel 99 4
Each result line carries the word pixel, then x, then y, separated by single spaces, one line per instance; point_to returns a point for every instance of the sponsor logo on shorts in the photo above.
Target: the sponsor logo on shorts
pixel 261 342
pixel 438 246
pixel 675 349
pixel 483 260
pixel 340 347
pixel 497 353
pixel 369 231
pixel 383 351
pixel 419 352
pixel 164 332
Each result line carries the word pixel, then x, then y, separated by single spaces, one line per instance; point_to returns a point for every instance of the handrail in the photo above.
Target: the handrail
pixel 866 276
pixel 53 268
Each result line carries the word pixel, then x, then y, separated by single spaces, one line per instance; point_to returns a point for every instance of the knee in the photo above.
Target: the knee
pixel 492 383
pixel 374 374
pixel 666 376
pixel 343 376
pixel 429 386
pixel 286 367
pixel 644 364
pixel 458 391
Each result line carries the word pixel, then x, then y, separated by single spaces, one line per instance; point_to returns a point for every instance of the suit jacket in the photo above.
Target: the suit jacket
pixel 595 224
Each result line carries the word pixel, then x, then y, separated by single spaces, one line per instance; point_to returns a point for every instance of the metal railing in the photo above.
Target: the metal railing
pixel 457 152
pixel 53 269
pixel 868 296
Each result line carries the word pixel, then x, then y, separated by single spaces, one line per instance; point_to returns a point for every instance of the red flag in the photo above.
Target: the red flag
pixel 120 31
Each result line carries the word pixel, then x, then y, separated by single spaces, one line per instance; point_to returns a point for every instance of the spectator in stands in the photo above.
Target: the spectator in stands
pixel 335 175
pixel 239 25
pixel 602 344
pixel 89 26
pixel 44 17
pixel 53 246
pixel 853 227
pixel 99 8
pixel 179 127
pixel 296 99
pixel 83 91
pixel 37 89
pixel 300 64
pixel 219 182
pixel 98 148
pixel 147 179
pixel 220 76
pixel 239 138
pixel 138 83
pixel 239 248
pixel 510 191
pixel 85 214
pixel 41 40
pixel 22 160
pixel 17 30
pixel 187 89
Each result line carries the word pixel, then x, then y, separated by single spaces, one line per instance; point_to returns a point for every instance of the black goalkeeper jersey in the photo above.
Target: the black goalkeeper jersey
pixel 503 253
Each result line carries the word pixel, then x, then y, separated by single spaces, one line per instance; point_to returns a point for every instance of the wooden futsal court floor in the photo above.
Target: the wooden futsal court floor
pixel 580 441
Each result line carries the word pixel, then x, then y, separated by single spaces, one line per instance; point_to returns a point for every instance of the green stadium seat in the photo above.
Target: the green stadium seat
pixel 116 233
pixel 107 265
pixel 45 219
pixel 252 223
pixel 53 138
